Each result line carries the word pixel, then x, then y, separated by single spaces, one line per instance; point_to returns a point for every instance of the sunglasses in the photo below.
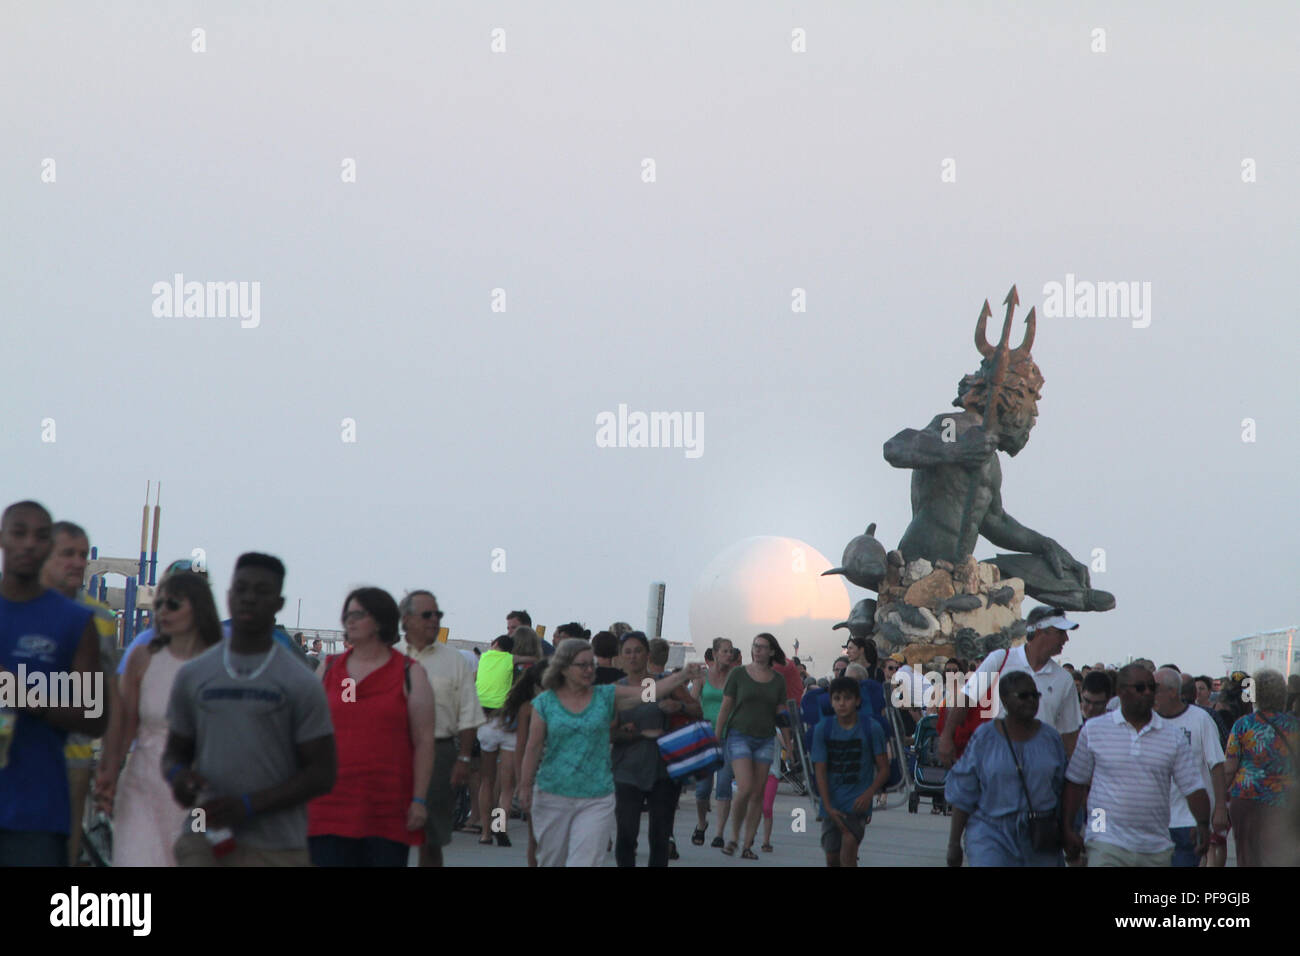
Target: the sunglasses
pixel 1027 695
pixel 170 604
pixel 430 615
pixel 1142 687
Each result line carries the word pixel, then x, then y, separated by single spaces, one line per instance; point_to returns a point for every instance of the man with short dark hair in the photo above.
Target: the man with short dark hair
pixel 1126 763
pixel 1204 688
pixel 605 646
pixel 250 740
pixel 458 715
pixel 518 619
pixel 41 633
pixel 1095 694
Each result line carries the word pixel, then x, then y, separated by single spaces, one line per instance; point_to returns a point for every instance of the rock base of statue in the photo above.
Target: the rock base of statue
pixel 940 610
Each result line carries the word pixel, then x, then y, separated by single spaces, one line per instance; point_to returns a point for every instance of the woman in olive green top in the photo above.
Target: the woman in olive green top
pixel 751 700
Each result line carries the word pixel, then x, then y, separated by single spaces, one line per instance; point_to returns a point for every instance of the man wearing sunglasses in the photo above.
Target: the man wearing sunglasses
pixel 1133 760
pixel 457 717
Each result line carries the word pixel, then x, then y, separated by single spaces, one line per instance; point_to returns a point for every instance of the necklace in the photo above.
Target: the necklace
pixel 225 660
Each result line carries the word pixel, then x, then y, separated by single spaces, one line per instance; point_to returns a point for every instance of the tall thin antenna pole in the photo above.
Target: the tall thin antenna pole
pixel 153 551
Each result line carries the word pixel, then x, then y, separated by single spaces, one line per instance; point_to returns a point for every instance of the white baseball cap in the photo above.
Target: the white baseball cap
pixel 1053 617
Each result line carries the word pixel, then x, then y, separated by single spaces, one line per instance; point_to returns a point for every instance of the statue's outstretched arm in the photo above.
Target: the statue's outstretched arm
pixel 942 442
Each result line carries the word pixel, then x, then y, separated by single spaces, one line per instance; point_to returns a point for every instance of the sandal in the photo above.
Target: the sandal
pixel 697 837
pixel 718 843
pixel 748 853
pixel 767 848
pixel 730 848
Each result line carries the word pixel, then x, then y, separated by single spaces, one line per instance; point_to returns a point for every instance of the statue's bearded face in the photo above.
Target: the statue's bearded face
pixel 1017 401
pixel 1014 427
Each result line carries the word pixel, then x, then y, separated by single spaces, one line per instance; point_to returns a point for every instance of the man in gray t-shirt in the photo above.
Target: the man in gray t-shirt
pixel 250 739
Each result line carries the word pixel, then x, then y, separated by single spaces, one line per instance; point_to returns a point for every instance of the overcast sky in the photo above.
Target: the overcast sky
pixel 774 170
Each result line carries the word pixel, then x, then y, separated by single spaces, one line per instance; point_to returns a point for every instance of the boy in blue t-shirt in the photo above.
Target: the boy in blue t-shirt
pixel 852 764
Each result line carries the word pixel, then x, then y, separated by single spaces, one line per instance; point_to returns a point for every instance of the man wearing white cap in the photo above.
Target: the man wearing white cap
pixel 1059 704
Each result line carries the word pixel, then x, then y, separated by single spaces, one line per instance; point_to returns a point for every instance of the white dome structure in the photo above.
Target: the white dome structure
pixel 772 584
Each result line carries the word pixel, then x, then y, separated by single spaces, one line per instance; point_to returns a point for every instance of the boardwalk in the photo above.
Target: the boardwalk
pixel 894 838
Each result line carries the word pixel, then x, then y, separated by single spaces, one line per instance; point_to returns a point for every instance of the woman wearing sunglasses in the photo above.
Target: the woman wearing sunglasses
pixel 1010 770
pixel 146 819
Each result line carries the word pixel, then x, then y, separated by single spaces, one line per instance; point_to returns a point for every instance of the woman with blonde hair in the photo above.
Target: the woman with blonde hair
pixel 567 780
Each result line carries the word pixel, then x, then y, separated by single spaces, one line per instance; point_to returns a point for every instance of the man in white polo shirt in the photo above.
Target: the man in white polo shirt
pixel 1202 735
pixel 1059 704
pixel 1131 758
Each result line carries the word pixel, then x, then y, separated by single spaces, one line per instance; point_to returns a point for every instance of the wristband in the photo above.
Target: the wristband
pixel 420 801
pixel 464 759
pixel 248 804
pixel 175 769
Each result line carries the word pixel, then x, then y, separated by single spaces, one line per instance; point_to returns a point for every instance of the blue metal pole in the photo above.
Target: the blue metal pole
pixel 130 615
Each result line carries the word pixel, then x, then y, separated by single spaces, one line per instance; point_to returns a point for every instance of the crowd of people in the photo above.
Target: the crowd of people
pixel 230 743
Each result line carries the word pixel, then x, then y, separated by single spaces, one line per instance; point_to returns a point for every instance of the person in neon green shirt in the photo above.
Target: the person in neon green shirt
pixel 496 673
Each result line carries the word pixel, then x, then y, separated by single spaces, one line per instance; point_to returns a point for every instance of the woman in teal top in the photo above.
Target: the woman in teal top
pixel 568 756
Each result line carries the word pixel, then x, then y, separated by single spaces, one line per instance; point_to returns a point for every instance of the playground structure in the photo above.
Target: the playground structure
pixel 131 601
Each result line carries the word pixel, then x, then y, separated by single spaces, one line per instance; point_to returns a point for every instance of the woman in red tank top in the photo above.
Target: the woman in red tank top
pixel 381 703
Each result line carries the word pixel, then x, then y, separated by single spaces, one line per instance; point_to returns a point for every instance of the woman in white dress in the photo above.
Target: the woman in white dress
pixel 146 819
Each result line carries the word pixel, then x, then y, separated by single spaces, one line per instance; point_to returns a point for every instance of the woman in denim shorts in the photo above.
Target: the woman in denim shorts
pixel 754 695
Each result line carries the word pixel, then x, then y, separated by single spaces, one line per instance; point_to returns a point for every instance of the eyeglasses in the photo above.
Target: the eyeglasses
pixel 1142 687
pixel 355 615
pixel 1027 695
pixel 584 666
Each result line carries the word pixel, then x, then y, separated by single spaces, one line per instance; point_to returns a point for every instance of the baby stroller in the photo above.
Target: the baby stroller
pixel 928 773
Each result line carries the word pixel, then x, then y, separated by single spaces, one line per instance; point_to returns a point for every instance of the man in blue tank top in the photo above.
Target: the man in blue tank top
pixel 50 683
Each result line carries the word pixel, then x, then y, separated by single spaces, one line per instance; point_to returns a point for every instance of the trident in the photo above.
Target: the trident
pixel 1002 357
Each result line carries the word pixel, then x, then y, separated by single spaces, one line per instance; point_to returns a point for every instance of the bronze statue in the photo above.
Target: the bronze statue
pixel 957 478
